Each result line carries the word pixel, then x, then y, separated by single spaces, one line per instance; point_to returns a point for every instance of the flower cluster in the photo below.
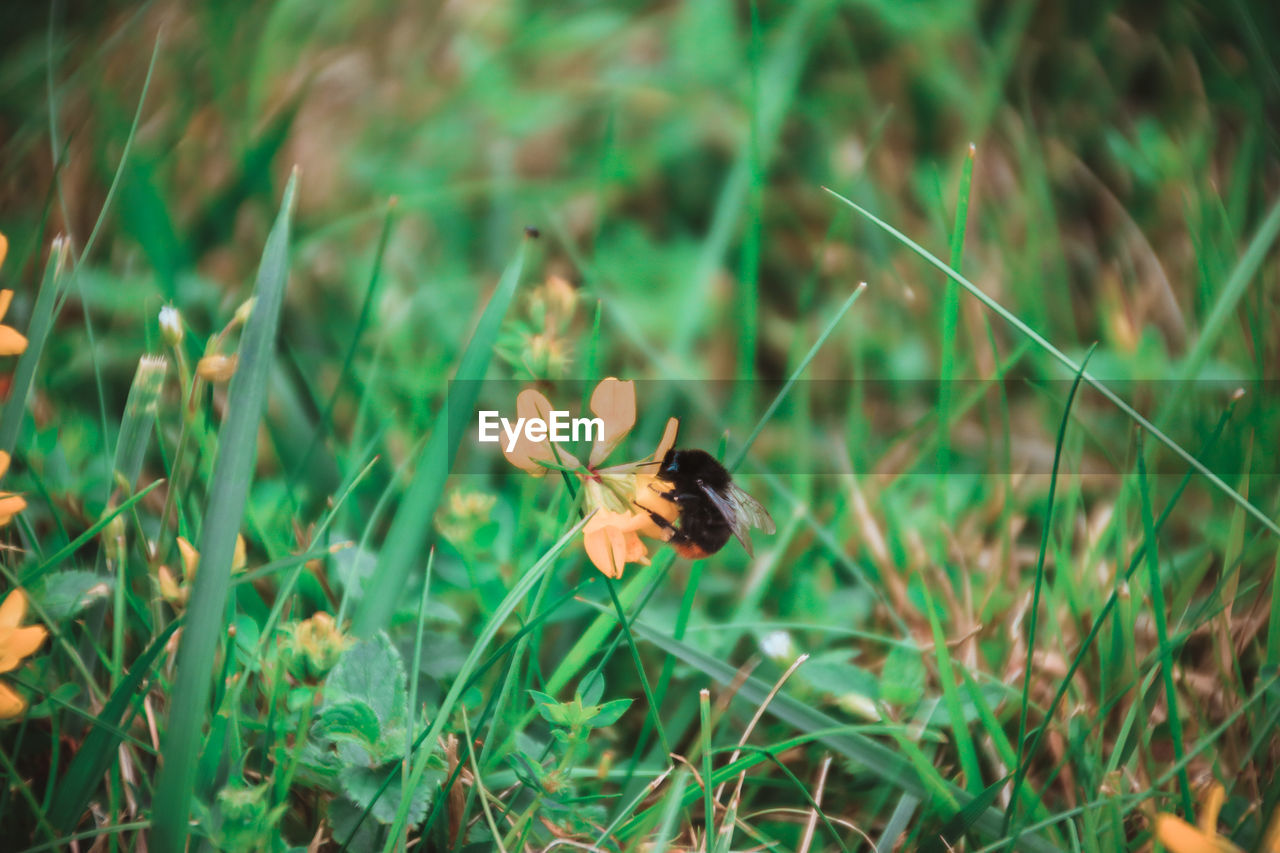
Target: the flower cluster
pixel 538 343
pixel 619 497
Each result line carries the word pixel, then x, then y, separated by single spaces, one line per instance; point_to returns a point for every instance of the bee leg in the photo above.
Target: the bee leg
pixel 672 532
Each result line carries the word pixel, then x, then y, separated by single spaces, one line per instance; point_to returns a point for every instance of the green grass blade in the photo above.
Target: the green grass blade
pixel 55 279
pixel 1033 616
pixel 325 421
pixel 635 656
pixel 672 805
pixel 708 798
pixel 99 748
pixel 463 679
pixel 1113 599
pixel 1229 298
pixel 228 493
pixel 411 526
pixel 1162 627
pixel 60 556
pixel 950 321
pixel 892 768
pixel 741 453
pixel 1066 361
pixel 951 697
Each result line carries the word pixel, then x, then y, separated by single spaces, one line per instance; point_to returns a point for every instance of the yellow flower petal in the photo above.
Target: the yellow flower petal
pixel 611 540
pixel 649 497
pixel 10 505
pixel 190 559
pixel 668 439
pixel 1210 805
pixel 1178 836
pixel 614 402
pixel 13 609
pixel 4 251
pixel 526 454
pixel 239 561
pixel 6 296
pixel 169 588
pixel 4 463
pixel 11 342
pixel 18 643
pixel 11 704
pixel 1271 840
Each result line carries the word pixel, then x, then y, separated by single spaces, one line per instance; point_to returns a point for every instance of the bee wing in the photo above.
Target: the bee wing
pixel 741 511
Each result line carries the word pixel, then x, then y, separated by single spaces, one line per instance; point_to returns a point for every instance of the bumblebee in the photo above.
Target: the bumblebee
pixel 709 506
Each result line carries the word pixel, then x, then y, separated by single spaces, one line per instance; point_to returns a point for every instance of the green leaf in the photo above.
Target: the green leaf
pixel 372 673
pixel 609 713
pixel 362 784
pixel 902 680
pixel 556 713
pixel 591 688
pixel 350 721
pixel 65 594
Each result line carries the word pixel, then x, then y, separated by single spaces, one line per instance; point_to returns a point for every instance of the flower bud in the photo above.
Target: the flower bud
pixel 216 368
pixel 243 312
pixel 171 325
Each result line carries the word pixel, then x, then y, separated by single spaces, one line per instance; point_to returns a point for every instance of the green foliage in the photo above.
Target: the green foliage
pixel 1002 609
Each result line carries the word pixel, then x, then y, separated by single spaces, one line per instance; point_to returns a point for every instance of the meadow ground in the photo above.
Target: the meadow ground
pixel 264 589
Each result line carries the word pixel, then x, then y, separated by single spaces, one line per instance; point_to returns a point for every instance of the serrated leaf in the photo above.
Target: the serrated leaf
pixel 609 713
pixel 349 721
pixel 361 784
pixel 370 672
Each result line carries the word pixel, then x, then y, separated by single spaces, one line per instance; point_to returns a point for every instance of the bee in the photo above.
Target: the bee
pixel 709 505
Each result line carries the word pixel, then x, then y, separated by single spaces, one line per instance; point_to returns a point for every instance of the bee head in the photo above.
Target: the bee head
pixel 696 465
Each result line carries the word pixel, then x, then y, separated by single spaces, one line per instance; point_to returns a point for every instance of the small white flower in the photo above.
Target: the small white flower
pixel 778 645
pixel 171 325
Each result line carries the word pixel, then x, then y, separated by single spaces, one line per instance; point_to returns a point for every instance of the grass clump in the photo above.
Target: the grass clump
pixel 265 589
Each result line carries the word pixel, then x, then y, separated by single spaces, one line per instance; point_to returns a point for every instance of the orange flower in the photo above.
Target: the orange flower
pixel 11 342
pixel 614 494
pixel 613 401
pixel 612 540
pixel 16 643
pixel 10 504
pixel 1178 836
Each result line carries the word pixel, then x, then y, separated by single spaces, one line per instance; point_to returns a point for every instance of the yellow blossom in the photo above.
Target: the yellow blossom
pixel 178 592
pixel 11 342
pixel 612 540
pixel 16 643
pixel 1178 836
pixel 10 504
pixel 315 644
pixel 620 496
